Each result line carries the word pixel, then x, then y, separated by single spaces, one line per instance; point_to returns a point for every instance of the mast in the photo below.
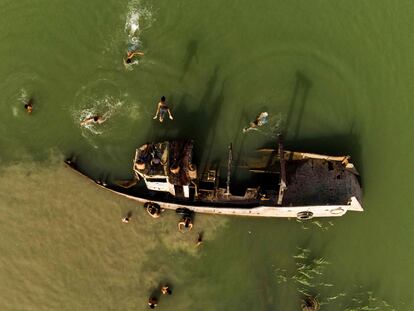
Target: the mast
pixel 230 159
pixel 283 185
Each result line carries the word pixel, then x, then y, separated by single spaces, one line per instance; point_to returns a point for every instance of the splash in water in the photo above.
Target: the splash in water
pixel 268 125
pixel 21 100
pixel 105 99
pixel 14 98
pixel 104 108
pixel 138 19
pixel 100 98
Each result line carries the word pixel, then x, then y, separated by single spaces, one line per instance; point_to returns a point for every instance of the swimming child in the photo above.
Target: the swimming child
pixel 260 120
pixel 94 119
pixel 131 54
pixel 162 109
pixel 29 106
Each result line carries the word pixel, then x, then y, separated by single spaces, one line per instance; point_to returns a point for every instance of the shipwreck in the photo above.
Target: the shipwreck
pixel 280 183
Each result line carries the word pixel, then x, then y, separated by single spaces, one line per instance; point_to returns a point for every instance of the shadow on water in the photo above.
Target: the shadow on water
pixel 239 139
pixel 194 118
pixel 344 144
pixel 190 55
pixel 291 126
pixel 297 105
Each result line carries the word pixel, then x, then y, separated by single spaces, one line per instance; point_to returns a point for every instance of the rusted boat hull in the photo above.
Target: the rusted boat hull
pixel 253 208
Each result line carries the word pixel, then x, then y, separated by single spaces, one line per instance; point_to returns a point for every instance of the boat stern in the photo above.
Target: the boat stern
pixel 355 205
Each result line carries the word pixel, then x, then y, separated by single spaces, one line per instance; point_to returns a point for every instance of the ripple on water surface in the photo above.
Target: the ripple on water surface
pixel 105 97
pixel 17 125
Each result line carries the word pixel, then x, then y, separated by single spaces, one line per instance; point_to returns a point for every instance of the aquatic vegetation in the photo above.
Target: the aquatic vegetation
pixel 321 261
pixel 308 273
pixel 281 275
pixel 308 269
pixel 322 225
pixel 367 301
pixel 317 223
pixel 302 281
pixel 303 254
pixel 309 280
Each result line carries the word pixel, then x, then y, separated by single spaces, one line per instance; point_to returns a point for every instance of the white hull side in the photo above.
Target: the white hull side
pixel 260 211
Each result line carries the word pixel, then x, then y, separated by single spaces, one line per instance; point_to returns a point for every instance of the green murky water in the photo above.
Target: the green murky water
pixel 335 76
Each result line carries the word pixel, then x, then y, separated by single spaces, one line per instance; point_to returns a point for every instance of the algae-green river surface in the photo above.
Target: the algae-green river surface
pixel 335 77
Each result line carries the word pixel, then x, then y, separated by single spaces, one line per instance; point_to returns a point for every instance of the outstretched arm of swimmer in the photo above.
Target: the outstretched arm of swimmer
pixel 137 53
pixel 158 110
pixel 169 113
pixel 87 120
pixel 104 117
pixel 132 54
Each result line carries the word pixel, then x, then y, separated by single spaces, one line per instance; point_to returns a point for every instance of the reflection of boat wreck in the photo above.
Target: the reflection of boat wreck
pixel 279 183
